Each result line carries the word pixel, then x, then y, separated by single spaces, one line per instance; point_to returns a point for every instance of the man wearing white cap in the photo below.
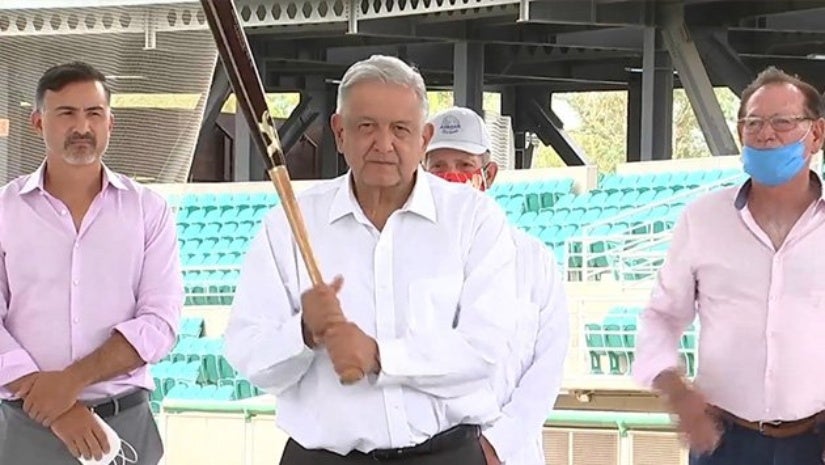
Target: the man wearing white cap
pixel 527 385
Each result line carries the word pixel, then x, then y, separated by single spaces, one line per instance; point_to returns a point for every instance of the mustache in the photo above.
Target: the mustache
pixel 89 137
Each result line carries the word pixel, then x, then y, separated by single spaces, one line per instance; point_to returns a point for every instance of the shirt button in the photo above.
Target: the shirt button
pixel 75 319
pixel 74 282
pixel 64 212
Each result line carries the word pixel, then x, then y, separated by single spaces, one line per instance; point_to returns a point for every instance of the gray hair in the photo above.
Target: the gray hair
pixel 385 69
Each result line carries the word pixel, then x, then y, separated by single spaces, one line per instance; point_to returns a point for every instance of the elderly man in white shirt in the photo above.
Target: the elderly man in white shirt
pixel 424 273
pixel 528 384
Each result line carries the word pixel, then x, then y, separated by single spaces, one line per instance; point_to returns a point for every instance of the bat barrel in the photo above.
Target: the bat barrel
pixel 240 67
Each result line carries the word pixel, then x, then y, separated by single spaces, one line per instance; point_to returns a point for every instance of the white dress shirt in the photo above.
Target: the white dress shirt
pixel 529 382
pixel 432 288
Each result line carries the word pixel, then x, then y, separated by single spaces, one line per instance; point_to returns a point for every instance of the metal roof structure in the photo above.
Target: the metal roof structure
pixel 525 49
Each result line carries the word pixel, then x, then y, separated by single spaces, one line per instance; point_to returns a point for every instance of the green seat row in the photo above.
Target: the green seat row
pixel 615 338
pixel 551 186
pixel 690 179
pixel 208 200
pixel 229 230
pixel 222 214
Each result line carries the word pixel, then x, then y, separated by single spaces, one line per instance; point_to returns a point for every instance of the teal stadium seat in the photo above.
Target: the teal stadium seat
pixel 214 231
pixel 614 339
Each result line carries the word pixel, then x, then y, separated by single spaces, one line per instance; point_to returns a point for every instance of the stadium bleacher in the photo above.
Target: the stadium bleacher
pixel 551 211
pixel 213 233
pixel 215 230
pixel 614 338
pixel 197 369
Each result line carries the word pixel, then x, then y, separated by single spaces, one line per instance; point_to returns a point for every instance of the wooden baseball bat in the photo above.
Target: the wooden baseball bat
pixel 239 63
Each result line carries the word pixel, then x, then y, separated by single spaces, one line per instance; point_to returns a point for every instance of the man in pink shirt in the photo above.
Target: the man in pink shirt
pixel 747 261
pixel 90 289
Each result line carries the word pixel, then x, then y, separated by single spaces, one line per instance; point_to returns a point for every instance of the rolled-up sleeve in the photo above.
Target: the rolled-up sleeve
pixel 456 361
pixel 15 362
pixel 160 297
pixel 671 308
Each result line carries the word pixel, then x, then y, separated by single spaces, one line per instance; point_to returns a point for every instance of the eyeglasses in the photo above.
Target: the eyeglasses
pixel 754 124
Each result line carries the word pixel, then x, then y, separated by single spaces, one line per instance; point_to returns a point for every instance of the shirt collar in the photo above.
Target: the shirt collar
pixel 35 180
pixel 419 202
pixel 742 195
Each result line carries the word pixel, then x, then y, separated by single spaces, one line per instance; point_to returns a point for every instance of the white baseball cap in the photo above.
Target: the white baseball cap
pixel 460 129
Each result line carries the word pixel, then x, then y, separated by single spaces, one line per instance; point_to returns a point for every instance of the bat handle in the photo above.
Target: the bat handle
pixel 280 177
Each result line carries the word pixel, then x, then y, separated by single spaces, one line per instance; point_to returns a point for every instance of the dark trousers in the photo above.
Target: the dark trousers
pixel 465 451
pixel 742 446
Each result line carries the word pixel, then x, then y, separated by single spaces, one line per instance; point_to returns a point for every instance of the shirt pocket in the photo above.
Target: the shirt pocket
pixel 818 299
pixel 434 302
pixel 805 308
pixel 794 328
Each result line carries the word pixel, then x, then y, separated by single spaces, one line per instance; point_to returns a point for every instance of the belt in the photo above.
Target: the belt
pixel 773 429
pixel 106 408
pixel 453 438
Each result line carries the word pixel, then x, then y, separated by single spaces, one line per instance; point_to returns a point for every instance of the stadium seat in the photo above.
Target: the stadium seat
pixel 244 389
pixel 214 231
pixel 547 200
pixel 564 201
pixel 190 246
pixel 532 203
pixel 245 213
pixel 191 327
pixel 611 183
pixel 193 230
pixel 224 393
pixel 594 338
pixel 591 215
pixel 645 197
pixel 688 348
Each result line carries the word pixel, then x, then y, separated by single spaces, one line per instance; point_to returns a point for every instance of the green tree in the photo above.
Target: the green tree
pixel 441 100
pixel 688 140
pixel 602 134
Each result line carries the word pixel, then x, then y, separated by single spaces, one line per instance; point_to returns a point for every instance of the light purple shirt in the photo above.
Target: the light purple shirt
pixel 761 309
pixel 63 292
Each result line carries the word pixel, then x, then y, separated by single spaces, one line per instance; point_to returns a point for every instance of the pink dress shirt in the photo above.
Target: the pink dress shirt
pixel 761 311
pixel 63 293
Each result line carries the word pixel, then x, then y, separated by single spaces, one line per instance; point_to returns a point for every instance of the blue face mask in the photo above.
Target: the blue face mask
pixel 776 166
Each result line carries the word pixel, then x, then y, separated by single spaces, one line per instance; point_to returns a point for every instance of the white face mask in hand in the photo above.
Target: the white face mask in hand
pixel 117 448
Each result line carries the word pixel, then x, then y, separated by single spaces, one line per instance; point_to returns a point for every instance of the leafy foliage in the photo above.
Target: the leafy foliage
pixel 602 133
